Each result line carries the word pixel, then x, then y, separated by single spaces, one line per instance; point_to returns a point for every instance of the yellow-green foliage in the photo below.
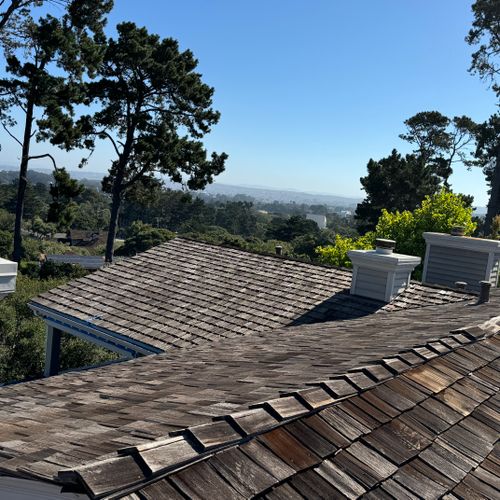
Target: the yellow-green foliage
pixel 437 213
pixel 336 255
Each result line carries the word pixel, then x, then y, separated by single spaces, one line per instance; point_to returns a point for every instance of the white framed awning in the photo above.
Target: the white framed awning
pixel 57 322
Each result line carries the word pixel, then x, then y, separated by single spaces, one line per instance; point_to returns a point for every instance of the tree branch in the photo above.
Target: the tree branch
pixel 5 16
pixel 46 155
pixel 12 135
pixel 108 135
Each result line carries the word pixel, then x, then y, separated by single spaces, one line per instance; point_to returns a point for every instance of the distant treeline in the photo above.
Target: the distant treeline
pixel 237 221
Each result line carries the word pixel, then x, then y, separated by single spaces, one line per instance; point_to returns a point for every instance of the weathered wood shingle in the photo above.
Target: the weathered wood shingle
pixel 411 454
pixel 72 419
pixel 185 293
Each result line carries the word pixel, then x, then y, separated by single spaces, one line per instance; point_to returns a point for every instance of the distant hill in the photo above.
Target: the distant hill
pixel 262 194
pixel 8 176
pixel 80 174
pixel 44 176
pixel 284 196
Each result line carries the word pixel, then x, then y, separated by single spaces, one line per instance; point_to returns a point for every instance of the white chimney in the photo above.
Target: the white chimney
pixel 381 274
pixel 451 258
pixel 8 275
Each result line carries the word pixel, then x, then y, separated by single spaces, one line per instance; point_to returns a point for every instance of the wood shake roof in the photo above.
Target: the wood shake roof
pixel 185 293
pixel 381 405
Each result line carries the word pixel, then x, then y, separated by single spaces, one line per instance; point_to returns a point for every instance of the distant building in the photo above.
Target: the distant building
pixel 319 219
pixel 345 213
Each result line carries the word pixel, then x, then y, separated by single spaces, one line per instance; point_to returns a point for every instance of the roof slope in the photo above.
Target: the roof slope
pixel 185 293
pixel 415 432
pixel 71 419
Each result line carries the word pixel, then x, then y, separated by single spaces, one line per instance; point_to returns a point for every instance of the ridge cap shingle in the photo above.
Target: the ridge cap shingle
pixel 224 430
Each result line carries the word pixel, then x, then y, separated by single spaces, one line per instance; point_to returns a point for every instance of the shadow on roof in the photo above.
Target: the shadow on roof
pixel 340 306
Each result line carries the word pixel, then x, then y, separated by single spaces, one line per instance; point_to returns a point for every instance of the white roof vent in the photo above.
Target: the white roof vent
pixel 451 258
pixel 8 275
pixel 381 274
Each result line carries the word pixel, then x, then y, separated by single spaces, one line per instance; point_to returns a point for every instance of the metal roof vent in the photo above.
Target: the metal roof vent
pixel 381 274
pixel 452 257
pixel 8 275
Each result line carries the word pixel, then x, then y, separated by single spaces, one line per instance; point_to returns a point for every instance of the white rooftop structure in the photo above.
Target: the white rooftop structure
pixel 452 258
pixel 8 275
pixel 381 274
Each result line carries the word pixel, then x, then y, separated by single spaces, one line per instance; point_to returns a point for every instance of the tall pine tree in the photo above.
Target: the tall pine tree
pixel 47 59
pixel 395 183
pixel 485 36
pixel 153 108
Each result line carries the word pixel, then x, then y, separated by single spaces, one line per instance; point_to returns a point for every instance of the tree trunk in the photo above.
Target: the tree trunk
pixel 494 202
pixel 23 181
pixel 113 225
pixel 116 202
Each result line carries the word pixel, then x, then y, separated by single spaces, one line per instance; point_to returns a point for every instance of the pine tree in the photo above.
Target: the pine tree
pixel 47 59
pixel 153 109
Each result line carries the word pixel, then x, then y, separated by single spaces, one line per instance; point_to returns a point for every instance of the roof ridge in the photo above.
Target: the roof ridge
pixel 262 253
pixel 187 446
pixel 303 261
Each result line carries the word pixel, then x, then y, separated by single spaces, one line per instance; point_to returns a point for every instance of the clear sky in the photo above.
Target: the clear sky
pixel 309 90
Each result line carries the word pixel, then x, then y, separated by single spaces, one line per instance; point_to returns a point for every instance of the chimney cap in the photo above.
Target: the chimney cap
pixel 384 246
pixel 384 243
pixel 458 231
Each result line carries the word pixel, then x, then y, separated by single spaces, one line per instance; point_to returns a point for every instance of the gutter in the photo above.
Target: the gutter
pixel 92 333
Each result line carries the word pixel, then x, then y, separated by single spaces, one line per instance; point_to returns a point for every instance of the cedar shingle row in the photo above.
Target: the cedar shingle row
pixel 185 293
pixel 427 431
pixel 75 418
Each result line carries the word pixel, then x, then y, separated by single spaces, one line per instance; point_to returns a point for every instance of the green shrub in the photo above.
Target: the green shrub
pixel 437 213
pixel 57 270
pixel 336 255
pixel 22 336
pixel 141 237
pixel 5 244
pixel 33 248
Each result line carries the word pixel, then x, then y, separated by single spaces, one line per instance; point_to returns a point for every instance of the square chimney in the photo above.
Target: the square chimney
pixel 381 274
pixel 8 275
pixel 450 259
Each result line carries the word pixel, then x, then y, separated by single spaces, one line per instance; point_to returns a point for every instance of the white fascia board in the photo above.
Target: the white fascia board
pixel 463 242
pixel 92 333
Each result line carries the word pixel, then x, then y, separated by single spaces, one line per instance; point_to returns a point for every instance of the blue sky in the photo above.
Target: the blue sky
pixel 309 90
